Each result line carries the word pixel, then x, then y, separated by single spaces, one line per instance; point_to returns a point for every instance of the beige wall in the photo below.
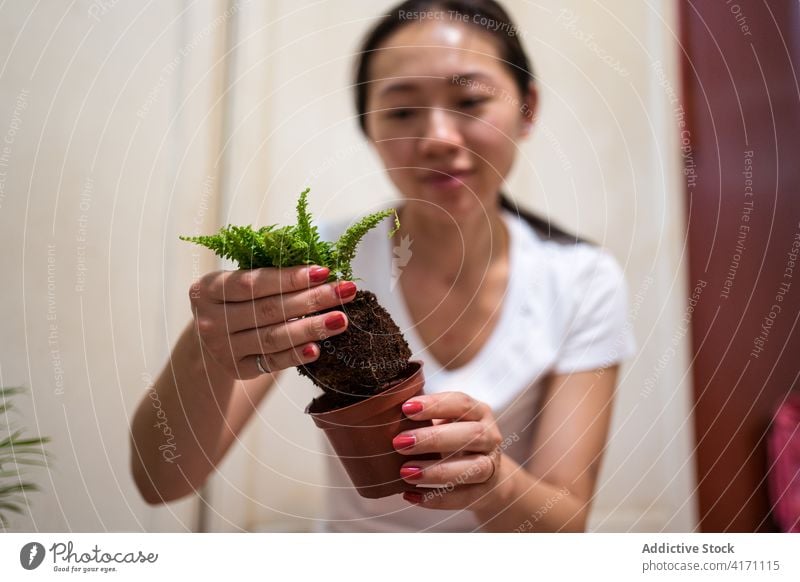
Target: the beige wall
pixel 113 146
pixel 129 137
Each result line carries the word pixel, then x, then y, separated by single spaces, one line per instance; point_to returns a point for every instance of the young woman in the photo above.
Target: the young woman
pixel 521 327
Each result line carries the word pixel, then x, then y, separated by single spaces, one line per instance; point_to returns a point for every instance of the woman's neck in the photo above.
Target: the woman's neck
pixel 458 254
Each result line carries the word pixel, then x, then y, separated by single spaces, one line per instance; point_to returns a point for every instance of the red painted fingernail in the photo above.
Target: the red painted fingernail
pixel 403 442
pixel 410 473
pixel 346 289
pixel 318 274
pixel 412 407
pixel 335 321
pixel 413 496
pixel 309 351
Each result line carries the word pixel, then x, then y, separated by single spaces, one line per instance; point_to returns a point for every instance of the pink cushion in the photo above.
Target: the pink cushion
pixel 783 453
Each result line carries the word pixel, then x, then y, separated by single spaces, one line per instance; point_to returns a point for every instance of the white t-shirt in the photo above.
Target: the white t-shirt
pixel 564 311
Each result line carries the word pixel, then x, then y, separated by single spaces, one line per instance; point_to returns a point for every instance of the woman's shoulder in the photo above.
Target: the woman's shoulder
pixel 582 290
pixel 583 259
pixel 566 259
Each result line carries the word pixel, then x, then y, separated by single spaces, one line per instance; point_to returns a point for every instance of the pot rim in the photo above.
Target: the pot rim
pixel 360 411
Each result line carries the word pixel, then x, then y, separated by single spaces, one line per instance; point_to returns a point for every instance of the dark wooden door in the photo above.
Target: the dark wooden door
pixel 742 96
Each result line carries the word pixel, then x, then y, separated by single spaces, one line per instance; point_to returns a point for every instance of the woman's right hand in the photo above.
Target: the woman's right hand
pixel 242 314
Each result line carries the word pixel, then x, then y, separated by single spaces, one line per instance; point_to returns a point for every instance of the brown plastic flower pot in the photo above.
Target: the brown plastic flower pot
pixel 362 433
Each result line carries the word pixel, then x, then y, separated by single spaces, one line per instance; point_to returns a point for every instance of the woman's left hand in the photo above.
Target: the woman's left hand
pixel 465 433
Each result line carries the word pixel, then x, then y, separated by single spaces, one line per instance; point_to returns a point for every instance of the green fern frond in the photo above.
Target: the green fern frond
pixel 5 398
pixel 305 230
pixel 288 246
pixel 11 507
pixel 16 451
pixel 345 250
pixel 17 488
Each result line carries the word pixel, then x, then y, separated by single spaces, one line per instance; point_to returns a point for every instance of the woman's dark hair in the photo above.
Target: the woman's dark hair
pixel 486 15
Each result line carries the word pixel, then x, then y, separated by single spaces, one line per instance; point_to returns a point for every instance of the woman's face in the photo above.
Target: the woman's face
pixel 444 114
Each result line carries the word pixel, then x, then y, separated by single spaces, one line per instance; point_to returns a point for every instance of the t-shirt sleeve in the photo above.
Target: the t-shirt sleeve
pixel 598 334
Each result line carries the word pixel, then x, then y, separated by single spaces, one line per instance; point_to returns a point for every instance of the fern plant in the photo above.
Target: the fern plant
pixel 15 452
pixel 288 246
